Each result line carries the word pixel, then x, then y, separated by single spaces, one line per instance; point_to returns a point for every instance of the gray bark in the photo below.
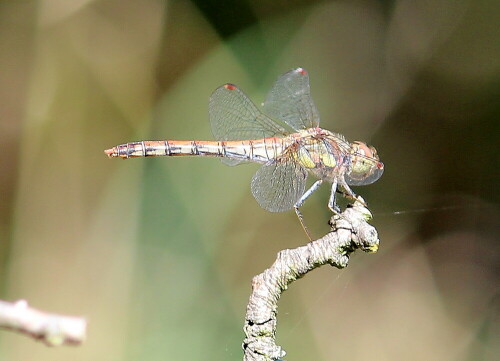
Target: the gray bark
pixel 349 231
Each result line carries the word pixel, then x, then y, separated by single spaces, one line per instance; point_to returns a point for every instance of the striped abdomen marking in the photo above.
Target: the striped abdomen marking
pixel 259 150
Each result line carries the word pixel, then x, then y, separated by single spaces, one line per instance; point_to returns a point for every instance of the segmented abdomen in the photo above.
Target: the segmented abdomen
pixel 258 150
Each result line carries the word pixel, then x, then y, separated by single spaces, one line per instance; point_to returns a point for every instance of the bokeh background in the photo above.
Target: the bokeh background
pixel 158 254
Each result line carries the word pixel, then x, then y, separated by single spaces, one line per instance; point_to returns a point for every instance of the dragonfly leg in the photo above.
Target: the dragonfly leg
pixel 308 193
pixel 301 201
pixel 348 193
pixel 331 201
pixel 301 220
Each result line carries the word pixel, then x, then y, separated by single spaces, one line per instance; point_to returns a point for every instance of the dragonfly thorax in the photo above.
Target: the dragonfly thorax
pixel 321 152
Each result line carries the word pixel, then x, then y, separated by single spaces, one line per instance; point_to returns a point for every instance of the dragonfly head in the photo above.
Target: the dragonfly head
pixel 366 167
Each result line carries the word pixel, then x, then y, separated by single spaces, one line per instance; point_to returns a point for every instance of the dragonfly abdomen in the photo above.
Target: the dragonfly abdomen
pixel 259 151
pixel 168 148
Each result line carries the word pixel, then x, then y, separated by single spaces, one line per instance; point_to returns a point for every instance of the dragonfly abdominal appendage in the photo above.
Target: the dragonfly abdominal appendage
pixel 288 152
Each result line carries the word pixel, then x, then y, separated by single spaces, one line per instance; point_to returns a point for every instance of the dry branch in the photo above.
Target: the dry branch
pixel 51 329
pixel 350 231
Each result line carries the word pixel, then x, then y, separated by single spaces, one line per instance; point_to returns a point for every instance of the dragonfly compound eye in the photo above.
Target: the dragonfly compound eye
pixel 365 165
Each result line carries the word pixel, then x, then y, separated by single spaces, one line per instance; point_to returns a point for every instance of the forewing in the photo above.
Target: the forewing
pixel 279 184
pixel 233 116
pixel 290 101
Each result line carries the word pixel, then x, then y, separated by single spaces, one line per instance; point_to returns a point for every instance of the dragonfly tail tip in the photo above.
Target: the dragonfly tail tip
pixel 110 152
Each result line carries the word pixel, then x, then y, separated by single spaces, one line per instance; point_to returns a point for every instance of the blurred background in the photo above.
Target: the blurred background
pixel 158 254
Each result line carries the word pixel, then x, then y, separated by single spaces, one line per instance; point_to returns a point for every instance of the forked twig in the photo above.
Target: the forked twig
pixel 350 231
pixel 51 329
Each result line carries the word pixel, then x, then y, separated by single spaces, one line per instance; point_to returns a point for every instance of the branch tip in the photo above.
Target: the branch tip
pixel 51 329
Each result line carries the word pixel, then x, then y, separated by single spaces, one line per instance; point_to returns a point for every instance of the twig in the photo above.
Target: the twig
pixel 350 231
pixel 53 330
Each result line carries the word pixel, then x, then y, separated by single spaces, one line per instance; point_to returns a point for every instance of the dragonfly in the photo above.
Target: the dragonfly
pixel 284 137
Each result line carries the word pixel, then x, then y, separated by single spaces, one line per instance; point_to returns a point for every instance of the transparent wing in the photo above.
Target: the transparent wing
pixel 290 101
pixel 233 116
pixel 279 184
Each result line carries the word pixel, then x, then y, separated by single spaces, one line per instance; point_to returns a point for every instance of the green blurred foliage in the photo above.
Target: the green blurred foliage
pixel 159 254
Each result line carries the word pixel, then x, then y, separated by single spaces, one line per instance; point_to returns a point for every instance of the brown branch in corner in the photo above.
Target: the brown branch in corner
pixel 350 231
pixel 51 329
